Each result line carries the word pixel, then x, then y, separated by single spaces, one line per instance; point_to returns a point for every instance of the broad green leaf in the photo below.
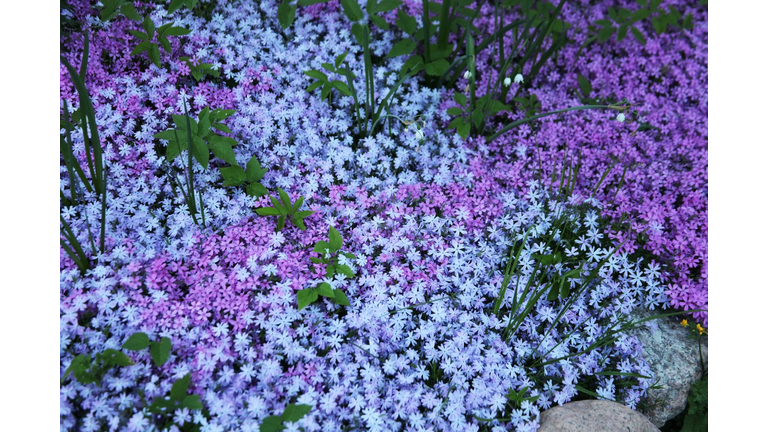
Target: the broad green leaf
pixel 204 122
pixel 325 290
pixel 584 85
pixel 233 176
pixel 284 198
pixel 175 145
pixel 316 74
pixel 272 424
pixel 294 413
pixel 192 402
pixel 221 114
pixel 639 15
pixel 130 12
pixel 345 270
pixel 315 85
pixel 358 31
pixel 268 211
pixel 253 170
pixel 303 214
pixel 639 36
pixel 299 223
pixel 329 67
pixel 160 351
pixel 165 43
pixel 113 357
pixel 175 5
pixel 463 128
pixel 154 54
pixel 325 91
pixel 138 34
pixel 340 298
pixel 177 31
pixel 200 151
pixel 306 297
pixel 334 239
pixel 348 255
pixel 286 14
pixel 379 22
pixel 181 123
pixel 405 22
pixel 180 386
pixel 352 10
pixel 143 46
pixel 78 365
pixel 437 67
pixel 256 189
pixel 405 46
pixel 148 26
pixel 137 341
pixel 316 260
pixel 387 5
pixel 221 127
pixel 321 246
pixel 341 87
pixel 278 205
pixel 340 59
pixel 460 98
pixel 454 111
pixel 605 33
pixel 414 60
pixel 222 148
pixel 622 32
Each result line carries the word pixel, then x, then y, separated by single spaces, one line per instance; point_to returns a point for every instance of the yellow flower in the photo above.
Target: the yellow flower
pixel 701 329
pixel 684 323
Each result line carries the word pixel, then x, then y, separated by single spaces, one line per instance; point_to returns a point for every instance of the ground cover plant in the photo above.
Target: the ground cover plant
pixel 395 215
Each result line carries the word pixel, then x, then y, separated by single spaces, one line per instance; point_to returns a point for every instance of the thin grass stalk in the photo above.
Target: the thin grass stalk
pixel 190 185
pixel 102 235
pixel 472 76
pixel 538 116
pixel 508 274
pixel 351 86
pixel 78 255
pixel 425 24
pixel 445 25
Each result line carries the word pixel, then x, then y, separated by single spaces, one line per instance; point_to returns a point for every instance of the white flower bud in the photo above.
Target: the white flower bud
pixel 518 78
pixel 507 81
pixel 467 74
pixel 419 134
pixel 620 117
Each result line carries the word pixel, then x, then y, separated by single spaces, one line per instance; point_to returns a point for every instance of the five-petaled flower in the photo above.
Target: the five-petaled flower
pixel 684 323
pixel 701 329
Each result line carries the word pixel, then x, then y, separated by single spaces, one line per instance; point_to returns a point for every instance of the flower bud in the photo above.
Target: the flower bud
pixel 620 117
pixel 467 74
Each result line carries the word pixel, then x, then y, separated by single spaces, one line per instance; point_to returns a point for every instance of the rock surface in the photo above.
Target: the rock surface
pixel 674 359
pixel 594 416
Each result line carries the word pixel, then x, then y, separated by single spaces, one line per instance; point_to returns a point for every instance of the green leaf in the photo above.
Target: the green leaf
pixel 160 351
pixel 200 151
pixel 463 128
pixel 341 87
pixel 297 205
pixel 460 98
pixel 379 22
pixel 113 357
pixel 405 22
pixel 177 31
pixel 222 148
pixel 340 59
pixel 330 270
pixel 584 85
pixel 622 32
pixel 454 111
pixel 192 402
pixel 148 26
pixel 306 297
pixel 335 240
pixel 321 246
pixel 181 123
pixel 345 270
pixel 286 14
pixel 143 46
pixel 316 74
pixel 315 85
pixel 405 46
pixel 325 91
pixel 284 198
pixel 437 67
pixel 303 214
pixel 294 413
pixel 204 122
pixel 175 5
pixel 281 222
pixel 136 342
pixel 348 255
pixel 154 54
pixel 325 290
pixel 268 211
pixel 311 2
pixel 233 176
pixel 272 424
pixel 639 15
pixel 340 298
pixel 130 12
pixel 256 190
pixel 414 60
pixel 180 386
pixel 639 36
pixel 165 43
pixel 358 32
pixel 279 206
pixel 299 223
pixel 138 34
pixel 387 5
pixel 605 33
pixel 253 170
pixel 352 10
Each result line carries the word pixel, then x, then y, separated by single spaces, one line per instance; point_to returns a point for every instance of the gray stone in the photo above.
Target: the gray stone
pixel 674 359
pixel 594 416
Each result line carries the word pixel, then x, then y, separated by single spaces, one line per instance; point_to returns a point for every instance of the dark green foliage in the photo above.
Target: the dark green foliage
pixel 285 211
pixel 292 413
pixel 329 256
